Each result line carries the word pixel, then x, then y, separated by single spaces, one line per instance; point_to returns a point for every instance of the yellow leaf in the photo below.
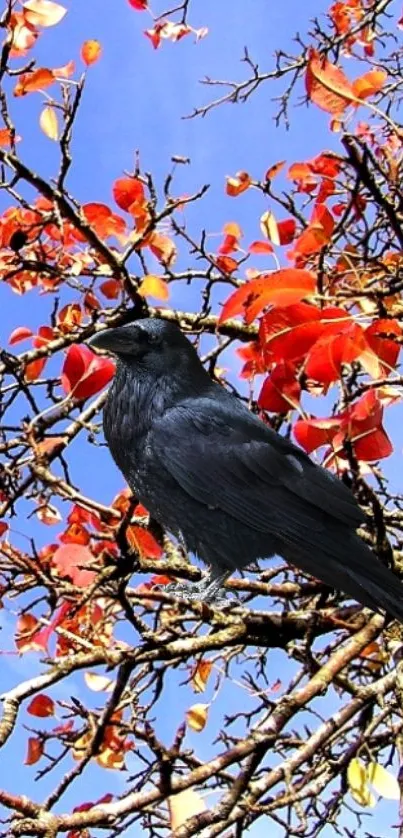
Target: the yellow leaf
pixel 196 716
pixel 268 226
pixel 43 12
pixel 110 759
pixel 232 229
pixel 383 781
pixel 357 779
pixel 154 286
pixel 98 683
pixel 184 805
pixel 80 745
pixel 48 123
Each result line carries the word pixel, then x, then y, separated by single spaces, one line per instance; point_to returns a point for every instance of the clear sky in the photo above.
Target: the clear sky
pixel 135 99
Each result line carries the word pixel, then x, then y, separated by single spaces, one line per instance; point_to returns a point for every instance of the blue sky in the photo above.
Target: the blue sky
pixel 135 99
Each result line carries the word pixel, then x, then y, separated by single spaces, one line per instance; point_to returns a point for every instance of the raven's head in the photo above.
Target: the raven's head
pixel 152 344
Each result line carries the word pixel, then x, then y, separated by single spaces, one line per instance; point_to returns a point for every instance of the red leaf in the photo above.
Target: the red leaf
pixel 34 751
pixel 41 706
pixel 286 286
pixel 111 289
pixel 69 558
pixel 226 264
pixel 143 542
pixel 281 391
pixel 260 247
pixel 331 351
pixel 313 433
pixel 21 333
pixel 289 333
pixel 85 373
pixel 128 191
pixel 286 230
pixel 139 5
pixel 381 336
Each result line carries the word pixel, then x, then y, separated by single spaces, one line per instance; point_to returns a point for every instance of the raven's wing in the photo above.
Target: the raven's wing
pixel 226 458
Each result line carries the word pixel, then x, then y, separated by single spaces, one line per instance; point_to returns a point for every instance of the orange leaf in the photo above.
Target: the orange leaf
pixel 369 84
pixel 43 12
pixel 327 86
pixel 280 288
pixel 238 184
pixel 90 52
pixel 36 80
pixel 6 138
pixel 274 170
pixel 41 706
pixel 163 248
pixel 200 675
pixel 154 286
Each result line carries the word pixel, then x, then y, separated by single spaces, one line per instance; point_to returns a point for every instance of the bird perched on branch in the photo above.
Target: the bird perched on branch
pixel 215 475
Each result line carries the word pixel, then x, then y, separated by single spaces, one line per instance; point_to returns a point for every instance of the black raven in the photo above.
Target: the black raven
pixel 215 475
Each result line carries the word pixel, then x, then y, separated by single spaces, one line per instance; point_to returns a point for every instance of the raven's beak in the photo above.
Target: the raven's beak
pixel 112 340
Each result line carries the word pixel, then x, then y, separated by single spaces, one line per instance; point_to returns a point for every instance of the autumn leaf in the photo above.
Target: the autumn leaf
pixel 369 84
pixel 238 184
pixel 49 124
pixel 39 79
pixel 184 805
pixel 90 52
pixel 139 5
pixel 383 781
pixel 98 683
pixel 143 542
pixel 70 560
pixel 19 334
pixel 200 675
pixel 326 85
pixel 6 138
pixel 196 717
pixel 43 12
pixel 281 391
pixel 154 286
pixel 286 286
pixel 128 191
pixel 85 373
pixel 41 706
pixel 260 248
pixel 357 779
pixel 34 751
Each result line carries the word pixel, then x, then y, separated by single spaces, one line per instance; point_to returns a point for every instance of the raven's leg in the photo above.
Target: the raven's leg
pixel 210 589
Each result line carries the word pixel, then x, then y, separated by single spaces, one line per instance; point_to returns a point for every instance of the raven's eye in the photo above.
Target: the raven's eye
pixel 154 340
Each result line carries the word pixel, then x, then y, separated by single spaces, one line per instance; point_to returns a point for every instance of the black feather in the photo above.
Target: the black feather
pixel 210 471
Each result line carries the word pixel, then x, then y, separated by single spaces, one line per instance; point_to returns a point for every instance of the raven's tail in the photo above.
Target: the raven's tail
pixel 350 566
